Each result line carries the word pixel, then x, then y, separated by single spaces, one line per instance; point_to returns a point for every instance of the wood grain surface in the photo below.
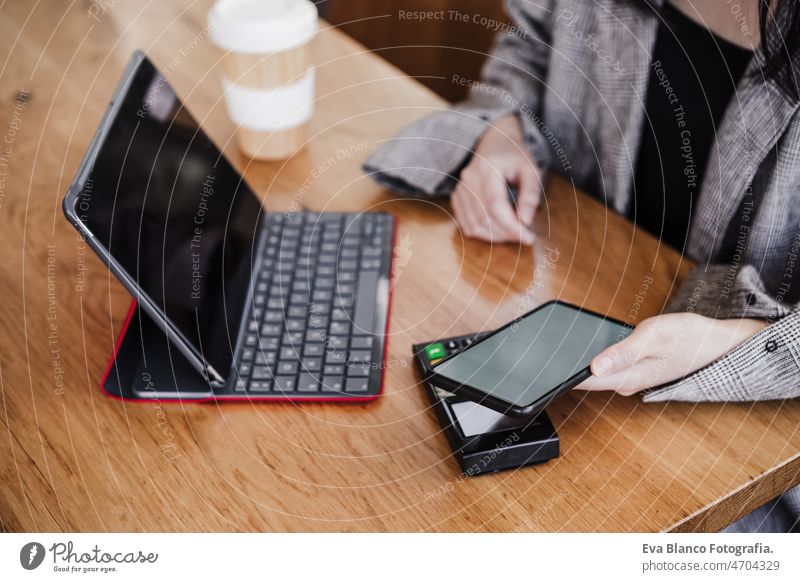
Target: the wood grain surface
pixel 72 459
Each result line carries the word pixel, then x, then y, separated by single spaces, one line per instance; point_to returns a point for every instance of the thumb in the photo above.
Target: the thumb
pixel 530 191
pixel 615 358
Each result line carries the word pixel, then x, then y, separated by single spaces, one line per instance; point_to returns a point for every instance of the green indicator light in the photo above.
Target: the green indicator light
pixel 434 351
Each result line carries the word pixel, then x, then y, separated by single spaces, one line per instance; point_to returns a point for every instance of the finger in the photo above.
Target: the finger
pixel 472 210
pixel 464 217
pixel 620 356
pixel 642 375
pixel 504 221
pixel 458 211
pixel 530 192
pixel 467 217
pixel 477 214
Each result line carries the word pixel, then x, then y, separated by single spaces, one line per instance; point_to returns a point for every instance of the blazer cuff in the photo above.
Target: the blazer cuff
pixel 765 367
pixel 428 156
pixel 726 292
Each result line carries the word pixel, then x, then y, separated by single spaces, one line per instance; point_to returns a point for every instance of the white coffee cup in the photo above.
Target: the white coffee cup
pixel 269 74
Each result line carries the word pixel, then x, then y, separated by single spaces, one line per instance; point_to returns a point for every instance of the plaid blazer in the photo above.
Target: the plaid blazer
pixel 575 72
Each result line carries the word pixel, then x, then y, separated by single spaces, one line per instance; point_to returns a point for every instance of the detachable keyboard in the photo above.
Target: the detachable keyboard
pixel 317 323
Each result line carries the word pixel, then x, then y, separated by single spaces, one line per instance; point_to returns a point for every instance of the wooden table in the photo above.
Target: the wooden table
pixel 75 460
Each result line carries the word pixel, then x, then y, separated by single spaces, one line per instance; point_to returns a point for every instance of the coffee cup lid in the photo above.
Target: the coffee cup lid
pixel 262 26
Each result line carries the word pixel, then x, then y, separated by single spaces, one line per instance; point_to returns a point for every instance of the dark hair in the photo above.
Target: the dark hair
pixel 780 42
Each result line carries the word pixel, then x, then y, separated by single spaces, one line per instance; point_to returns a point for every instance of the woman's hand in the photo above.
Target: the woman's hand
pixel 666 348
pixel 480 200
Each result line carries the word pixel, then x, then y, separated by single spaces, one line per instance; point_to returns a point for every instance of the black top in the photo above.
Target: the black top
pixel 693 76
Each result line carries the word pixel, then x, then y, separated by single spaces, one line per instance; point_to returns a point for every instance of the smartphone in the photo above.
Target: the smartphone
pixel 520 368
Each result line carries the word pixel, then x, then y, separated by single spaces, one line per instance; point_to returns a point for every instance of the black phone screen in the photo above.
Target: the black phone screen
pixel 530 357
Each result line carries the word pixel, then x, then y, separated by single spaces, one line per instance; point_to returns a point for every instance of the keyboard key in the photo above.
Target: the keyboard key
pixel 299 299
pixel 311 364
pixel 268 343
pixel 295 324
pixel 262 373
pixel 247 354
pixel 284 384
pixel 360 356
pixel 357 369
pixel 279 292
pixel 313 350
pixel 266 358
pixel 361 342
pixel 259 386
pixel 273 316
pixel 240 385
pixel 318 322
pixel 290 352
pixel 356 385
pixel 364 315
pixel 316 335
pixel 244 369
pixel 293 338
pixel 370 265
pixel 296 311
pixel 287 367
pixel 333 370
pixel 339 328
pixel 332 383
pixel 351 241
pixel 322 296
pixel 271 329
pixel 345 289
pixel 276 303
pixel 335 357
pixel 336 342
pixel 301 286
pixel 307 383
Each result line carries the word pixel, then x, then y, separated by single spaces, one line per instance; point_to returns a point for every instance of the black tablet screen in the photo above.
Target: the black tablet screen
pixel 174 215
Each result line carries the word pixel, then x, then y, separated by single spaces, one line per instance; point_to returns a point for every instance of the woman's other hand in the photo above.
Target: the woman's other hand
pixel 665 348
pixel 480 200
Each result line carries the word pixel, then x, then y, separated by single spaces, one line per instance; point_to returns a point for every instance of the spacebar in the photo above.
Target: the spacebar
pixel 365 301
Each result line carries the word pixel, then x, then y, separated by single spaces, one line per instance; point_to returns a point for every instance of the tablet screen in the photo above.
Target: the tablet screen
pixel 526 360
pixel 174 215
